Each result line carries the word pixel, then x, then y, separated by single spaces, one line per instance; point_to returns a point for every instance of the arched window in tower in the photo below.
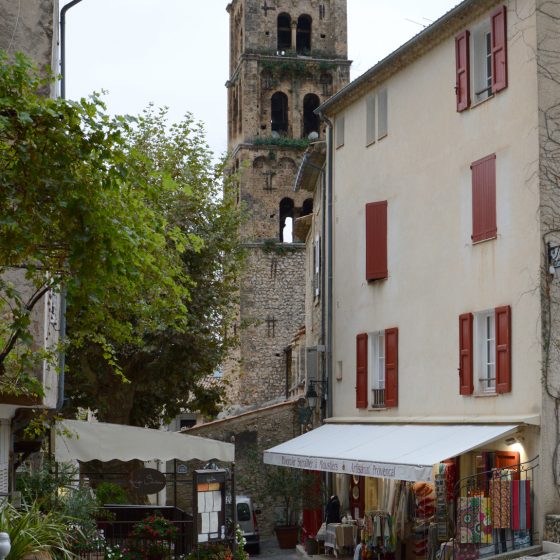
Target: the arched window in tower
pixel 286 220
pixel 284 31
pixel 279 113
pixel 303 35
pixel 307 207
pixel 326 83
pixel 310 119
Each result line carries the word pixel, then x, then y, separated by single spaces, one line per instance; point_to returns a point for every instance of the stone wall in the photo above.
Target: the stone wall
pixel 272 306
pixel 28 27
pixel 252 433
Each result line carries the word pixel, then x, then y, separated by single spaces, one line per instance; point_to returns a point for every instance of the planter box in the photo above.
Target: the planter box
pixel 287 536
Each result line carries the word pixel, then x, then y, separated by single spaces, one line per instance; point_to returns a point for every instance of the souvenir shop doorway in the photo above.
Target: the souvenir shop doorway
pixel 487 512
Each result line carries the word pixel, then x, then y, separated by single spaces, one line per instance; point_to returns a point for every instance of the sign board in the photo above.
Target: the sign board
pixel 209 502
pixel 147 481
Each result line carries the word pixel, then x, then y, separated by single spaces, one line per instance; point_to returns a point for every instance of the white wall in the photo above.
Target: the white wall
pixel 422 168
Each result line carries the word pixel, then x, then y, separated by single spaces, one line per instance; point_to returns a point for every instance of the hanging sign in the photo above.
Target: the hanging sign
pixel 147 481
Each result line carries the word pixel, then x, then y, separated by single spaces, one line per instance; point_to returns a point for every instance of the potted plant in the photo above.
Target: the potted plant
pixel 288 487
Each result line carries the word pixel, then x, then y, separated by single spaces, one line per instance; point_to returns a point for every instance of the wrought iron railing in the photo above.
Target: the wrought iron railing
pixel 494 512
pixel 377 398
pixel 119 534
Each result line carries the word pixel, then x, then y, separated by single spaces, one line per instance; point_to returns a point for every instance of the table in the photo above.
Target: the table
pixel 340 535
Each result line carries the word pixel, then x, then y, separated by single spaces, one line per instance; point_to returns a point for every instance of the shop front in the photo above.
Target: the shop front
pixel 421 492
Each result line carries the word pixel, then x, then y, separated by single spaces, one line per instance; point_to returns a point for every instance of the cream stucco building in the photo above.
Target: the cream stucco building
pixel 443 178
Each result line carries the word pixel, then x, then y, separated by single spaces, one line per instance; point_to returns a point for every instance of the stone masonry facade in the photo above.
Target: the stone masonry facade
pixel 286 58
pixel 252 433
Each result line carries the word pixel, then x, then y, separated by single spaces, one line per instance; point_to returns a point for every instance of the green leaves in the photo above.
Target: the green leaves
pixel 77 209
pixel 168 359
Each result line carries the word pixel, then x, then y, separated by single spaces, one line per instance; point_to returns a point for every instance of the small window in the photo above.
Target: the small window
pixel 382 116
pixel 286 220
pixel 279 112
pixel 377 369
pixel 284 31
pixel 481 67
pixel 303 35
pixel 326 81
pixel 484 226
pixel 370 119
pixel 485 351
pixel 481 60
pixel 376 241
pixel 339 126
pixel 310 119
pixel 317 267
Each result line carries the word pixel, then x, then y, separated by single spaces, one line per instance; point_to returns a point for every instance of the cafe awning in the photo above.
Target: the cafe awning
pixel 399 451
pixel 86 441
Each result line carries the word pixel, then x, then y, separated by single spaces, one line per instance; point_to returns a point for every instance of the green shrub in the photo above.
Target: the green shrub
pixel 32 531
pixel 110 493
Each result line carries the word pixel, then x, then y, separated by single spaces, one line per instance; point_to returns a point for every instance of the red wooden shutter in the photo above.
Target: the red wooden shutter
pixel 391 367
pixel 376 240
pixel 463 75
pixel 484 198
pixel 503 349
pixel 361 370
pixel 466 354
pixel 498 41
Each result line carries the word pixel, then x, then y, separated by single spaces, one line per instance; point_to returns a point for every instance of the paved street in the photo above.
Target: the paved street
pixel 269 549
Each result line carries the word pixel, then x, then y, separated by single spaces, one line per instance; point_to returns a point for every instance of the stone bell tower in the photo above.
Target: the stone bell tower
pixel 286 58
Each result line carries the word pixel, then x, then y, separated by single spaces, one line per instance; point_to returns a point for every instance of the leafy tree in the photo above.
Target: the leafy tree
pixel 169 367
pixel 80 209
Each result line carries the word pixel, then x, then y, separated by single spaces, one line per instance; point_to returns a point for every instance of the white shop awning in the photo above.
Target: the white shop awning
pixel 399 451
pixel 86 441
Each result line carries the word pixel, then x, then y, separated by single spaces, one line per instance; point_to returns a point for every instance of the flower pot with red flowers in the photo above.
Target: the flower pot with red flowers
pixel 153 537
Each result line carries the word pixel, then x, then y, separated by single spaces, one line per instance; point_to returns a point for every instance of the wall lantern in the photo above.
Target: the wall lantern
pixel 312 396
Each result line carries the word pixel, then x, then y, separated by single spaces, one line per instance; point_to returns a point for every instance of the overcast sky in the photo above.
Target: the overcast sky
pixel 176 52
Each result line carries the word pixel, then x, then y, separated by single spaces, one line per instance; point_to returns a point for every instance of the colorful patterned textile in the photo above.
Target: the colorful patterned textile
pixel 521 504
pixel 500 495
pixel 466 552
pixel 475 520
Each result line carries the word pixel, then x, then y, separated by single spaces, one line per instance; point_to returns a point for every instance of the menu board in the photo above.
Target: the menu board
pixel 209 494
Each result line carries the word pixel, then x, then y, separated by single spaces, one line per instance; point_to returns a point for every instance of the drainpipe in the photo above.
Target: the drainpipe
pixel 62 331
pixel 63 46
pixel 61 354
pixel 329 252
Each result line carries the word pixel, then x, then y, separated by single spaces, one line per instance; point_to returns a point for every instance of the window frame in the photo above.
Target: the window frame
pixel 376 369
pixel 484 350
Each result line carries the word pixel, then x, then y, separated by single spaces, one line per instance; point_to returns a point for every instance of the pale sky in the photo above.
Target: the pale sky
pixel 176 52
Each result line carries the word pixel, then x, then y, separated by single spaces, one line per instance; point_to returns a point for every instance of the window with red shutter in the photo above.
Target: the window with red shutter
pixel 481 60
pixel 462 85
pixel 361 370
pixel 503 349
pixel 498 28
pixel 376 240
pixel 391 367
pixel 466 354
pixel 484 199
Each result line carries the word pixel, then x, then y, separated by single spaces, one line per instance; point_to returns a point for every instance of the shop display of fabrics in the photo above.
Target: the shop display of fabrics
pixel 474 520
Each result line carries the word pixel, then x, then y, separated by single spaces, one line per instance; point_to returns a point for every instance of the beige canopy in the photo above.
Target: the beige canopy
pixel 86 441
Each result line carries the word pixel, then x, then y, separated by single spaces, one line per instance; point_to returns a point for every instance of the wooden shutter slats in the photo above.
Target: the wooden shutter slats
pixel 503 349
pixel 463 80
pixel 391 367
pixel 376 240
pixel 484 199
pixel 466 386
pixel 361 370
pixel 498 43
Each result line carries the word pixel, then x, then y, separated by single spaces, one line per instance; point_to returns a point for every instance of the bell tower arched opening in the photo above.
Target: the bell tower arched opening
pixel 303 35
